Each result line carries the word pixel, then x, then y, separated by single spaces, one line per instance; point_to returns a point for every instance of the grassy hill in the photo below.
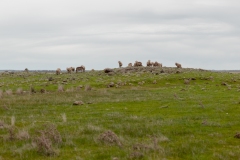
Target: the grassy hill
pixel 137 113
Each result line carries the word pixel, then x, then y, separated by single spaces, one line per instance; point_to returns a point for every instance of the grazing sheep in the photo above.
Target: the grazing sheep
pixel 58 71
pixel 156 64
pixel 137 64
pixel 130 65
pixel 120 64
pixel 69 70
pixel 149 63
pixel 178 65
pixel 81 68
pixel 73 69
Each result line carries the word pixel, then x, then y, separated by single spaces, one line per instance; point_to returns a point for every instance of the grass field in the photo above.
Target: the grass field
pixel 128 114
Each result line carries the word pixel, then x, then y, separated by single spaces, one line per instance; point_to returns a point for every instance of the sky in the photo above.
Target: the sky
pixel 51 34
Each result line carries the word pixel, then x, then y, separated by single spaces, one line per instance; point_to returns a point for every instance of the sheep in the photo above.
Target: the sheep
pixel 81 68
pixel 120 64
pixel 178 65
pixel 58 71
pixel 130 65
pixel 73 69
pixel 156 64
pixel 69 70
pixel 137 64
pixel 149 63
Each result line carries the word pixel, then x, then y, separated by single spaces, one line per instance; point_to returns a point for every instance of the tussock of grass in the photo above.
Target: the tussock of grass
pixel 110 138
pixel 9 92
pixel 48 140
pixel 64 117
pixel 60 88
pixel 23 135
pixel 88 88
pixel 13 120
pixel 19 91
pixel 1 93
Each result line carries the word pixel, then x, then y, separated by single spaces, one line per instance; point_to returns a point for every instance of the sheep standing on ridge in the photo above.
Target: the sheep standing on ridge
pixel 156 64
pixel 130 65
pixel 70 69
pixel 120 64
pixel 149 63
pixel 178 65
pixel 137 64
pixel 58 71
pixel 73 69
pixel 81 68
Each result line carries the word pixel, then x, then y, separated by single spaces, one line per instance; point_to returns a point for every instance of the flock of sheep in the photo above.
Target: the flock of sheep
pixel 149 64
pixel 136 64
pixel 72 69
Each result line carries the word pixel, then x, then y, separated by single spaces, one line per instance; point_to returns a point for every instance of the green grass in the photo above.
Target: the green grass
pixel 169 119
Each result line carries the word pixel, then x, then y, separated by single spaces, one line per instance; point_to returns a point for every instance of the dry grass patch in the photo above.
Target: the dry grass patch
pixel 9 92
pixel 19 91
pixel 2 124
pixel 13 120
pixel 64 117
pixel 23 135
pixel 78 103
pixel 1 93
pixel 110 138
pixel 88 88
pixel 60 88
pixel 12 133
pixel 48 140
pixel 237 135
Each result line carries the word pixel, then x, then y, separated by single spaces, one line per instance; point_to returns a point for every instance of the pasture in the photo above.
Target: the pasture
pixel 144 113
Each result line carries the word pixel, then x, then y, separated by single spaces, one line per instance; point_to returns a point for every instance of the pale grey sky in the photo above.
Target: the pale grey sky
pixel 48 34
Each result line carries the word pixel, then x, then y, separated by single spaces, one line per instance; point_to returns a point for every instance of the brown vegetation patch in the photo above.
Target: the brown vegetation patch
pixel 60 88
pixel 78 103
pixel 109 138
pixel 23 135
pixel 186 81
pixel 12 133
pixel 19 91
pixel 224 84
pixel 42 90
pixel 237 135
pixel 88 88
pixel 32 90
pixel 2 124
pixel 47 138
pixel 9 92
pixel 108 70
pixel 136 155
pixel 50 79
pixel 111 84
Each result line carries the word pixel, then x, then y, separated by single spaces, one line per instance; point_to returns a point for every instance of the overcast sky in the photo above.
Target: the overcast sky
pixel 50 34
